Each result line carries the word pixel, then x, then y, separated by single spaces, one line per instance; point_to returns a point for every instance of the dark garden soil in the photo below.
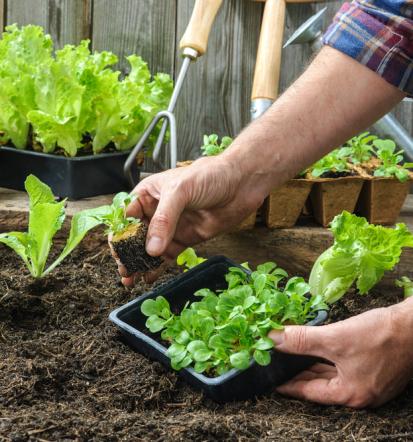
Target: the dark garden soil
pixel 65 375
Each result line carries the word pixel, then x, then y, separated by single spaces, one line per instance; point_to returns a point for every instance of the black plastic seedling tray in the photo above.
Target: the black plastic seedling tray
pixel 233 385
pixel 73 178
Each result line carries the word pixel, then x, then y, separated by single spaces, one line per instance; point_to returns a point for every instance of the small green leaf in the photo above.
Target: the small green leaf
pixel 155 323
pixel 264 344
pixel 262 357
pixel 240 360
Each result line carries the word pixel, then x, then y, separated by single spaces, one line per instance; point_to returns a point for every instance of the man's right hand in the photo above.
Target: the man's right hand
pixel 188 205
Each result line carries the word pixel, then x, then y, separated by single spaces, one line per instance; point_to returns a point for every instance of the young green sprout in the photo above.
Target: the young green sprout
pixel 128 235
pixel 391 161
pixel 407 285
pixel 213 147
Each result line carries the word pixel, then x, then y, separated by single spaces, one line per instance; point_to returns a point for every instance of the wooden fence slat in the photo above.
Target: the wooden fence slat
pixel 143 27
pixel 23 12
pixel 216 94
pixel 2 15
pixel 68 21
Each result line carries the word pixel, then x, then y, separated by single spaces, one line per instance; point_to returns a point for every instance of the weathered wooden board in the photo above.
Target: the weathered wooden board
pixel 68 21
pixel 216 94
pixel 144 27
pixel 2 15
pixel 294 249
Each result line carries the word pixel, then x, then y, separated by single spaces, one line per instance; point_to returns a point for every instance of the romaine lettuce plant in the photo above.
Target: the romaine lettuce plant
pixel 45 220
pixel 212 146
pixel 226 329
pixel 361 253
pixel 73 100
pixel 391 161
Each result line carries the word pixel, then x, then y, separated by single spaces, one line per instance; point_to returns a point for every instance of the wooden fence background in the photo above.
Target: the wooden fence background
pixel 216 95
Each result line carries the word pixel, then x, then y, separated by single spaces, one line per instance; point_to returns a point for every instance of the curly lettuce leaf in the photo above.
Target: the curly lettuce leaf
pixel 23 54
pixel 361 254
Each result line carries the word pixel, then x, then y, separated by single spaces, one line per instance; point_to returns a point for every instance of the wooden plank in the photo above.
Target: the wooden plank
pixel 23 12
pixel 2 15
pixel 216 94
pixel 67 21
pixel 144 27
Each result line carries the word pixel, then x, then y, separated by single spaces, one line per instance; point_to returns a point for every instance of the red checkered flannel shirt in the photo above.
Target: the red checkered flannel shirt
pixel 378 34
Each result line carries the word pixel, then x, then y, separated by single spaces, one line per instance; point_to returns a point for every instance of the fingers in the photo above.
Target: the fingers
pixel 323 390
pixel 304 340
pixel 164 221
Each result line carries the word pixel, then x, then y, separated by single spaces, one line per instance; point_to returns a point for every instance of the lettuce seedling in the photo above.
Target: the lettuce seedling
pixel 334 162
pixel 45 220
pixel 359 149
pixel 189 259
pixel 227 329
pixel 391 161
pixel 406 284
pixel 361 253
pixel 128 234
pixel 213 147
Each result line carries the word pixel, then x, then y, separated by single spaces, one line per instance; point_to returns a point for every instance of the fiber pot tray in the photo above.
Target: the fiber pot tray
pixel 233 385
pixel 74 178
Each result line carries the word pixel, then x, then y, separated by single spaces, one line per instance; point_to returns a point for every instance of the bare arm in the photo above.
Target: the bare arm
pixel 333 100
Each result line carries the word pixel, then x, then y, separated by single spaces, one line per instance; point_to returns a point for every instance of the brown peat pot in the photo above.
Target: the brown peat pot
pixel 330 196
pixel 284 205
pixel 382 199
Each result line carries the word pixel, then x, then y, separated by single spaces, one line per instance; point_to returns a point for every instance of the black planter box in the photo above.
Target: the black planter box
pixel 233 385
pixel 73 178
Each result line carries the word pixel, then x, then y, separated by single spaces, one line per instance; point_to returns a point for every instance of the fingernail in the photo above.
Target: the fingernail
pixel 277 336
pixel 154 245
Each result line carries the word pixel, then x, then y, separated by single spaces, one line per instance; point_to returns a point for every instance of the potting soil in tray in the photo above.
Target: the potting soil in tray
pixel 65 375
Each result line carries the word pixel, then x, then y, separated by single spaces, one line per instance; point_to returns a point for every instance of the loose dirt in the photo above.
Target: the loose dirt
pixel 65 374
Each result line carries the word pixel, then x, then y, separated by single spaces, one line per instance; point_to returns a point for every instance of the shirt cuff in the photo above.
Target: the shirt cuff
pixel 380 40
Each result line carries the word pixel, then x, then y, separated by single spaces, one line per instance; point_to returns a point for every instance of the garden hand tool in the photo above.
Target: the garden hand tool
pixel 268 65
pixel 388 126
pixel 193 45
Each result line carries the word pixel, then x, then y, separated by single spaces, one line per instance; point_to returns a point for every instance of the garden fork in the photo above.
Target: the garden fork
pixel 193 45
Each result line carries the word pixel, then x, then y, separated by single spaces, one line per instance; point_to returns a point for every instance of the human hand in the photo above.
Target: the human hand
pixel 372 355
pixel 191 204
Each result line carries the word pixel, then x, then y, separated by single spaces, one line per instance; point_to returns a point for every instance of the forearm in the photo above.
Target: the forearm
pixel 333 100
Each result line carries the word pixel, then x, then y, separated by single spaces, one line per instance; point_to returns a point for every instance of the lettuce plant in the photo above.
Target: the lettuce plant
pixel 359 149
pixel 361 253
pixel 73 100
pixel 335 162
pixel 189 259
pixel 407 285
pixel 226 329
pixel 212 146
pixel 45 220
pixel 114 216
pixel 391 161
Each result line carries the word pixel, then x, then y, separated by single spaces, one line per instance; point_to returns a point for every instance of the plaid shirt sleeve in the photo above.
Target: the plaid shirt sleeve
pixel 378 34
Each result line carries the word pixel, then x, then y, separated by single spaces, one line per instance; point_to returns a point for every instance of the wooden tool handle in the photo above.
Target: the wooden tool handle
pixel 197 32
pixel 268 66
